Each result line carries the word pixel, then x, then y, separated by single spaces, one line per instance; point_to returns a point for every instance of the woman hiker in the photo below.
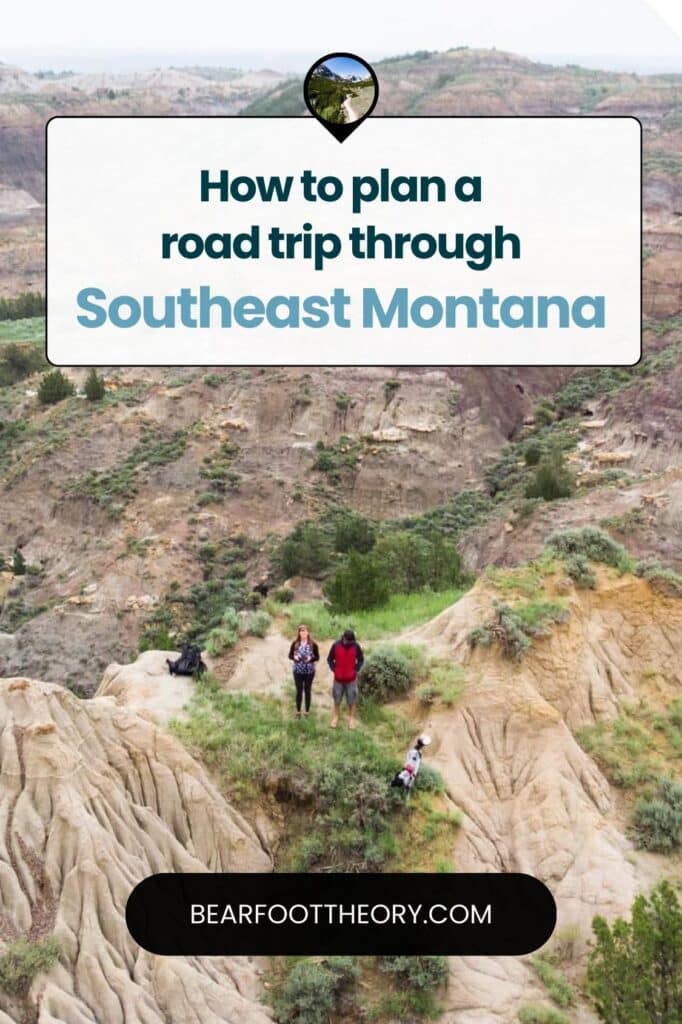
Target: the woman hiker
pixel 304 653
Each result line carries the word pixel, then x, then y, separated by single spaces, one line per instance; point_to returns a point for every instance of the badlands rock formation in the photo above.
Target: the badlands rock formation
pixel 146 686
pixel 534 800
pixel 94 797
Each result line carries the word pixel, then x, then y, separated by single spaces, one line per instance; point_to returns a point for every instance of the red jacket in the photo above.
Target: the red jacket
pixel 345 661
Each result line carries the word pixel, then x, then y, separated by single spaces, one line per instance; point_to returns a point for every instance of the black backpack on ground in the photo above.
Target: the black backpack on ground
pixel 189 663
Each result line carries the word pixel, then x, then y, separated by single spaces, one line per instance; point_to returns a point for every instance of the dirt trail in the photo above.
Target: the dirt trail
pixel 263 668
pixel 351 115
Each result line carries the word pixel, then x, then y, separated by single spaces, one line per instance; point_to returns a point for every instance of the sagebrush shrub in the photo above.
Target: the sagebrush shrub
pixel 581 572
pixel 424 973
pixel 311 992
pixel 430 779
pixel 593 544
pixel 657 823
pixel 514 627
pixel 387 673
pixel 257 623
pixel 224 635
pixel 665 581
pixel 23 961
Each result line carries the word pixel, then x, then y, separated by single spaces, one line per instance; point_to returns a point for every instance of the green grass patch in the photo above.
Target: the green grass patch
pixel 405 1005
pixel 661 160
pixel 444 686
pixel 638 747
pixel 527 580
pixel 342 814
pixel 626 522
pixel 555 981
pixel 25 440
pixel 538 1013
pixel 30 329
pixel 402 611
pixel 661 327
pixel 622 751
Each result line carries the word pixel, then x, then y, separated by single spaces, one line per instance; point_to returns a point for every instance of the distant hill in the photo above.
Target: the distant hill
pixel 458 81
pixel 467 82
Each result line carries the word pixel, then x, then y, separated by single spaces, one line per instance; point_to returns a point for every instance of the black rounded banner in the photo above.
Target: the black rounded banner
pixel 379 915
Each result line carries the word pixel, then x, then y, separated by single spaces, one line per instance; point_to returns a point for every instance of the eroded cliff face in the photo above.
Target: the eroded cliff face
pixel 93 798
pixel 420 444
pixel 535 801
pixel 106 569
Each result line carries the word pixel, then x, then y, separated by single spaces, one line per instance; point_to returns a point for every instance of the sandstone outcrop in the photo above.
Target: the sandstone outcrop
pixel 93 798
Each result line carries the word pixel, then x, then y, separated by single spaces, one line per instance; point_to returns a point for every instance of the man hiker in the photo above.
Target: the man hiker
pixel 345 659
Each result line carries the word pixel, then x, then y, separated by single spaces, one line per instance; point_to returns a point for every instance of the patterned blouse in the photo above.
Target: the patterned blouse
pixel 303 667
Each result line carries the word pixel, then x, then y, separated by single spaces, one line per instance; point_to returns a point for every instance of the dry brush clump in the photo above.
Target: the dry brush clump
pixel 514 627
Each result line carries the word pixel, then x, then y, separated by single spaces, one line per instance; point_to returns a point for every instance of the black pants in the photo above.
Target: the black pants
pixel 304 684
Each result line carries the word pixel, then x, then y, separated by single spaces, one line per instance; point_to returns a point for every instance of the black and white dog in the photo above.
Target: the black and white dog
pixel 406 778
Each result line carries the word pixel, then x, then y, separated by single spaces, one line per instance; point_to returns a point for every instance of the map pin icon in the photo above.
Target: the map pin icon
pixel 341 90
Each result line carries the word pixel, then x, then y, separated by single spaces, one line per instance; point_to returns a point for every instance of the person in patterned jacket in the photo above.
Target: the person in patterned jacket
pixel 305 654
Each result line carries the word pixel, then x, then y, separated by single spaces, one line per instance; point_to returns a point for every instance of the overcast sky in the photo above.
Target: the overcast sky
pixel 133 33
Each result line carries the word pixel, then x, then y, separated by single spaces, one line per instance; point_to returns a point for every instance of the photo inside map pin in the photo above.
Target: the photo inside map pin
pixel 341 89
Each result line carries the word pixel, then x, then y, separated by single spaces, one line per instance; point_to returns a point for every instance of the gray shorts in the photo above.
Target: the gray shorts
pixel 347 690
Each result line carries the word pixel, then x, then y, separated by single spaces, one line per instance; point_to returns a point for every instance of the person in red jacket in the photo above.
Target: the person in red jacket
pixel 345 659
